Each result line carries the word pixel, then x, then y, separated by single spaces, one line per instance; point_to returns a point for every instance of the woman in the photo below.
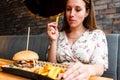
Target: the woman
pixel 80 43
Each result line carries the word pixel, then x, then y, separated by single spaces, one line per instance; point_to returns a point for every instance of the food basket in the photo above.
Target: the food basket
pixel 35 76
pixel 43 63
pixel 32 75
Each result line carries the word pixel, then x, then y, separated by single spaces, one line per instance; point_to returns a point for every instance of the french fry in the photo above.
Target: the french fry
pixel 45 70
pixel 44 73
pixel 47 67
pixel 50 71
pixel 55 71
pixel 63 70
pixel 40 70
pixel 57 18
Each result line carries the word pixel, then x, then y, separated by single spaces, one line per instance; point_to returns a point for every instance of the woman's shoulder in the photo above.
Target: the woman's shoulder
pixel 97 32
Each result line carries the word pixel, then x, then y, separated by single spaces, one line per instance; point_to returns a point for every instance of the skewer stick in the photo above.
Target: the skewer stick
pixel 28 38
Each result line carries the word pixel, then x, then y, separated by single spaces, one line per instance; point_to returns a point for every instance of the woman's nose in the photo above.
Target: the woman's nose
pixel 72 13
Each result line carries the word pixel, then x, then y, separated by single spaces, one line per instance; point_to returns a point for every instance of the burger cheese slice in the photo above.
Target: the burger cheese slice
pixel 26 59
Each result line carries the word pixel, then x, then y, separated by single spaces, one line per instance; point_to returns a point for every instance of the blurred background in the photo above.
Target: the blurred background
pixel 17 15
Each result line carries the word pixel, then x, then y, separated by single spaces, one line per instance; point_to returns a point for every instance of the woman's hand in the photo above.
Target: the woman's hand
pixel 77 71
pixel 52 30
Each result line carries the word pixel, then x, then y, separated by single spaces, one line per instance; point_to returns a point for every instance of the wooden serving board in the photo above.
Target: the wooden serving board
pixel 7 76
pixel 5 62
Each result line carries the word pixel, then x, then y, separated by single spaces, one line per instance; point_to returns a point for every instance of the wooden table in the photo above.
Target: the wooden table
pixel 6 76
pixel 99 78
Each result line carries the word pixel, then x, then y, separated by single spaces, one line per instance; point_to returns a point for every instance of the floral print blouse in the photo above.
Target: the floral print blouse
pixel 90 48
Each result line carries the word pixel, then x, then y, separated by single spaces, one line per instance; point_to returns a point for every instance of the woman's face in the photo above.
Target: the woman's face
pixel 76 12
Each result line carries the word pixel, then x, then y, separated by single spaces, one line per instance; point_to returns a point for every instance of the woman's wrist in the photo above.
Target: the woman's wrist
pixel 52 52
pixel 96 70
pixel 53 42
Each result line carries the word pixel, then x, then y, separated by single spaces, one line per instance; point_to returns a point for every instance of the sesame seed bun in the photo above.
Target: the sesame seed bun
pixel 26 55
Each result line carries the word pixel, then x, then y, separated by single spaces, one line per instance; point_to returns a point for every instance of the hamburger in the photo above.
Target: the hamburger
pixel 26 59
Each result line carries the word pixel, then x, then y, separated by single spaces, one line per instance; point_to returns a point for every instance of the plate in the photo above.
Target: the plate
pixel 26 74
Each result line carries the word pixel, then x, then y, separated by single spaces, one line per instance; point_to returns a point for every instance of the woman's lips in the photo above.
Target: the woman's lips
pixel 71 20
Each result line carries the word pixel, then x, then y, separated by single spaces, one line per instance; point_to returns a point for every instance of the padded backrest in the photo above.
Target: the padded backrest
pixel 112 40
pixel 9 45
pixel 118 71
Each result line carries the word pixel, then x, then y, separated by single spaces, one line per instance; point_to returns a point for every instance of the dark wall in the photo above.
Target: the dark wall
pixel 108 14
pixel 15 18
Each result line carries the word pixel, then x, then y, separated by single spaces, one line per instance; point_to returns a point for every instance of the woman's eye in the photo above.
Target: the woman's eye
pixel 78 10
pixel 68 9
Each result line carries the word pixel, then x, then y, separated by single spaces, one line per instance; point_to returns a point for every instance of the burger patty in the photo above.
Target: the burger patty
pixel 24 63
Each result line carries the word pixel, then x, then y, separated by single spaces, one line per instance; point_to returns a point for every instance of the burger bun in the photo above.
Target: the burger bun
pixel 26 55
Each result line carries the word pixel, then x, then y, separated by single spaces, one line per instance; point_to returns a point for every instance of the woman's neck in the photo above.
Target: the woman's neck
pixel 75 33
pixel 77 28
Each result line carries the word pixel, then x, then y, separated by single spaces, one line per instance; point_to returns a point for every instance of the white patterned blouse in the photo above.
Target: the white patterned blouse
pixel 90 48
